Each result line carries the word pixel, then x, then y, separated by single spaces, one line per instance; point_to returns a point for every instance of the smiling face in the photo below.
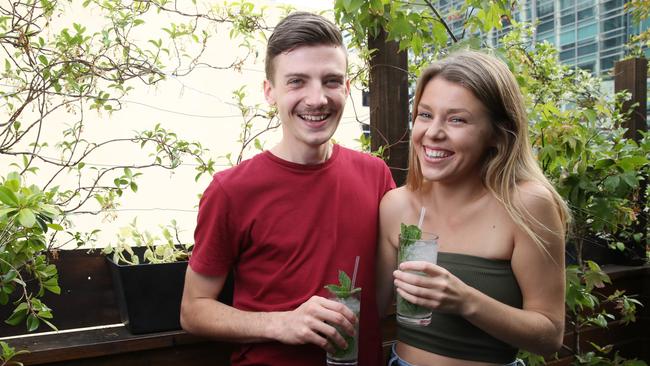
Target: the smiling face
pixel 309 88
pixel 451 133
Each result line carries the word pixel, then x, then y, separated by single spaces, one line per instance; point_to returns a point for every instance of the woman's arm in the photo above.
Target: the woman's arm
pixel 539 326
pixel 389 223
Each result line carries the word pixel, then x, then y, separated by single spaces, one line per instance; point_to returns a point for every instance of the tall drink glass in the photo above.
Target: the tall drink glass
pixel 347 356
pixel 424 249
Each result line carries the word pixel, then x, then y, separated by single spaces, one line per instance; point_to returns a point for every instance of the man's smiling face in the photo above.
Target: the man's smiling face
pixel 309 88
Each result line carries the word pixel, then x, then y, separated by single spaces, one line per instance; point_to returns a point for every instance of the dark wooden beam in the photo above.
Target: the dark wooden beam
pixel 389 102
pixel 632 75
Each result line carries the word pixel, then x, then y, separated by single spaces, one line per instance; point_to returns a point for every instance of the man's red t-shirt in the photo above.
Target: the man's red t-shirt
pixel 286 230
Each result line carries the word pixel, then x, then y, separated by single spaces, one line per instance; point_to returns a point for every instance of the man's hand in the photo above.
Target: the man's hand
pixel 313 322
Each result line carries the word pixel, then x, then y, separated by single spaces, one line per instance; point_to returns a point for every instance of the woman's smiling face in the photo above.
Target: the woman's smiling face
pixel 451 132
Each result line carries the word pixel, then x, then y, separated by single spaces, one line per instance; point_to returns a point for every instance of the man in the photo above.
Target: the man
pixel 287 220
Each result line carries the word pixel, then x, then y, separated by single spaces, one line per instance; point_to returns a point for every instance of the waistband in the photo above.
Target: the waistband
pixel 395 360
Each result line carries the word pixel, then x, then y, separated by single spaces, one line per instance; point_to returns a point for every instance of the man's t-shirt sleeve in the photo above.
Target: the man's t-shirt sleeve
pixel 389 183
pixel 215 243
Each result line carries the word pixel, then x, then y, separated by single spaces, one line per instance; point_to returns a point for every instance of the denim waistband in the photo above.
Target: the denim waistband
pixel 395 360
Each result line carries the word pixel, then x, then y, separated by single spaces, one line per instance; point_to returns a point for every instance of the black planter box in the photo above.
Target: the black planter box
pixel 149 295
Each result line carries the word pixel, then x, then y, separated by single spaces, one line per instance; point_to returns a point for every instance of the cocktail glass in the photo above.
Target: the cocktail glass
pixel 424 249
pixel 347 356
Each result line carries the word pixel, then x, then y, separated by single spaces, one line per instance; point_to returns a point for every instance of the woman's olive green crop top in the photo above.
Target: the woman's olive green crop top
pixel 451 335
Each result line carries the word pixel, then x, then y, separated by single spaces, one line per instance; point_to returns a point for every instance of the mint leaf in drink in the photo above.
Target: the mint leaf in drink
pixel 409 234
pixel 344 288
pixel 344 280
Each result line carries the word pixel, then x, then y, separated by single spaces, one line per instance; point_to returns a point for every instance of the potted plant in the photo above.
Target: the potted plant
pixel 148 274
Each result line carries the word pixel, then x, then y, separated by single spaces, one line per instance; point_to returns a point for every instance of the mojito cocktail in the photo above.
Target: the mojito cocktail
pixel 350 296
pixel 422 247
pixel 347 356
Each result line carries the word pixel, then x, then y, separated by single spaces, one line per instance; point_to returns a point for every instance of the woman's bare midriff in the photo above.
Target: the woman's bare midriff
pixel 418 357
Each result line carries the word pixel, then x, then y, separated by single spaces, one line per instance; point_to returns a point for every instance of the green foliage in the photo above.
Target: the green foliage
pixel 249 132
pixel 417 26
pixel 8 353
pixel 26 217
pixel 344 288
pixel 637 44
pixel 576 131
pixel 167 249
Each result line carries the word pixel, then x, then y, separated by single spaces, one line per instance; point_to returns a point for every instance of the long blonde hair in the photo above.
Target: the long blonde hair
pixel 511 160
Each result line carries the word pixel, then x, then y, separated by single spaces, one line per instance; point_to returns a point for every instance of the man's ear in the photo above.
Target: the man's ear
pixel 347 87
pixel 268 92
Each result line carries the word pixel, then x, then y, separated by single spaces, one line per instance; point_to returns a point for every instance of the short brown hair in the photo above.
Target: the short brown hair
pixel 300 29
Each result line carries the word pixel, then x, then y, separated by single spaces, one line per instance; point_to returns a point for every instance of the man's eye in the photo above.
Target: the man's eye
pixel 457 120
pixel 294 81
pixel 335 82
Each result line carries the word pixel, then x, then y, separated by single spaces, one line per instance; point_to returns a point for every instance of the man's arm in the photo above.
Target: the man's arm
pixel 202 314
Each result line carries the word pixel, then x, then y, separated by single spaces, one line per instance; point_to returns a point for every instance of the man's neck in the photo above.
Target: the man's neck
pixel 306 155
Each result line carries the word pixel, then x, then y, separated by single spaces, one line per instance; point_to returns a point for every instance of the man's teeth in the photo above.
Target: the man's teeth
pixel 436 153
pixel 314 118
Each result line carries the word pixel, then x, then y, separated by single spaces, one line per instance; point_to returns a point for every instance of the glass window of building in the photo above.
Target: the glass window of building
pixel 612 23
pixel 607 63
pixel 586 14
pixel 568 55
pixel 546 26
pixel 585 3
pixel 565 4
pixel 587 49
pixel 587 31
pixel 568 19
pixel 545 8
pixel 613 42
pixel 612 5
pixel 568 38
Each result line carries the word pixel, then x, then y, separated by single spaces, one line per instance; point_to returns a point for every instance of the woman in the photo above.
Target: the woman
pixel 498 285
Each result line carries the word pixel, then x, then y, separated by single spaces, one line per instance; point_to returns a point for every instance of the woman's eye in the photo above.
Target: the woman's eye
pixel 457 120
pixel 424 115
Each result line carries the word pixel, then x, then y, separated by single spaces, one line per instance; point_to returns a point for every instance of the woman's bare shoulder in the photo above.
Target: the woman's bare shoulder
pixel 539 202
pixel 535 196
pixel 398 198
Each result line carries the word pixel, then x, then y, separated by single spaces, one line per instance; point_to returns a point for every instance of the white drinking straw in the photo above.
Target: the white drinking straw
pixel 422 211
pixel 354 274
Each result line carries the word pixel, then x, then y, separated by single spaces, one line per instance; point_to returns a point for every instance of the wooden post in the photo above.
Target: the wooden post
pixel 389 116
pixel 632 75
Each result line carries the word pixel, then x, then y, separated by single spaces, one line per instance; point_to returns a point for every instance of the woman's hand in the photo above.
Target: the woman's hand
pixel 438 290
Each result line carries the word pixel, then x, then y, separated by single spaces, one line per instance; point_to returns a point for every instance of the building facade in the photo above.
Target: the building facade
pixel 590 34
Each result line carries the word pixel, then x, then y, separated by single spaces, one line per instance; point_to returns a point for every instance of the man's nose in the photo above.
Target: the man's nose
pixel 315 96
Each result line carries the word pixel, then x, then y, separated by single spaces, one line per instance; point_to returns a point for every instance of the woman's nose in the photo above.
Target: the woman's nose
pixel 436 130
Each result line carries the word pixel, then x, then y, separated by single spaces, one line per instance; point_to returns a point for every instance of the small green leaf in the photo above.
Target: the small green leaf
pixel 56 227
pixel 32 323
pixel 8 197
pixel 16 317
pixel 344 280
pixel 409 233
pixel 26 217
